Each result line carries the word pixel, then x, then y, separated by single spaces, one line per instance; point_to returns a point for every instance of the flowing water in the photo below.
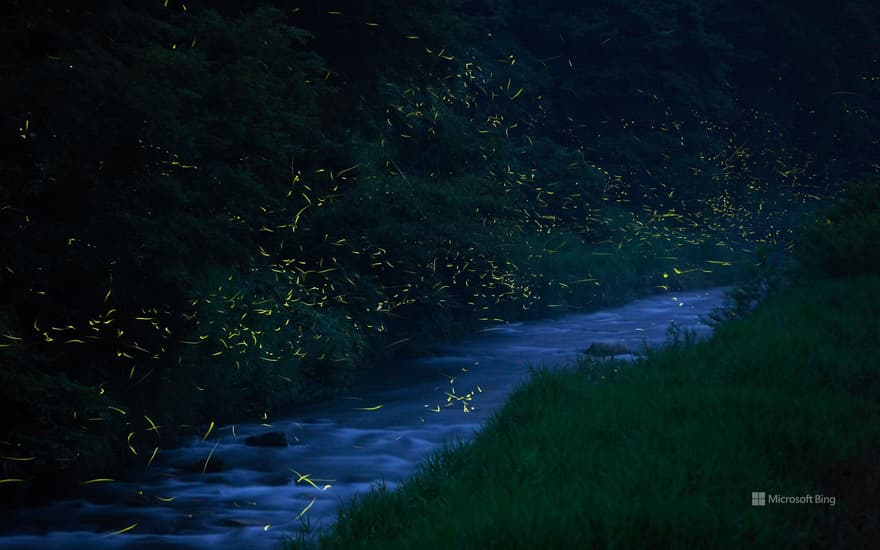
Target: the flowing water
pixel 344 447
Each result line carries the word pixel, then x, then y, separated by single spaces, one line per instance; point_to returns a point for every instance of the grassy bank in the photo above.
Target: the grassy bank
pixel 668 452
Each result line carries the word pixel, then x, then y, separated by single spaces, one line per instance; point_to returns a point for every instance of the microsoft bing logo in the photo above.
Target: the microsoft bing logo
pixel 760 498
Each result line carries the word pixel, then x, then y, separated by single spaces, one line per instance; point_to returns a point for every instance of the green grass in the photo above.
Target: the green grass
pixel 666 453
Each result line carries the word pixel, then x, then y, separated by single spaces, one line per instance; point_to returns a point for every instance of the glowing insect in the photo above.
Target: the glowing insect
pixel 375 408
pixel 123 530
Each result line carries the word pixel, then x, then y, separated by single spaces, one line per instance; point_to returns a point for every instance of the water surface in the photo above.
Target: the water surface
pixel 343 447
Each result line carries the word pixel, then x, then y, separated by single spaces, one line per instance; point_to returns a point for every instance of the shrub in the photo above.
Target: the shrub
pixel 844 242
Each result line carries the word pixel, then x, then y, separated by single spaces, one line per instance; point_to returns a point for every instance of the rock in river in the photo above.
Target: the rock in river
pixel 608 348
pixel 269 439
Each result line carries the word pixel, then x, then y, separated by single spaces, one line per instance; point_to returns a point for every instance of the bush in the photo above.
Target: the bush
pixel 844 242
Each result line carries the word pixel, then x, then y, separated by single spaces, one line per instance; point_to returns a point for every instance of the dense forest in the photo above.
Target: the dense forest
pixel 219 211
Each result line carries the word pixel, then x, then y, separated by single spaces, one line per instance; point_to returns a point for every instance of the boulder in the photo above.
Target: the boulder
pixel 268 439
pixel 608 349
pixel 205 466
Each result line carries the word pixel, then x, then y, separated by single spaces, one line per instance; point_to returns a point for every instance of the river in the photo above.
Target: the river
pixel 380 431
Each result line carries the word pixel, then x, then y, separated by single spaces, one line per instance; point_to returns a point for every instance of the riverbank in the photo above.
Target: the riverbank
pixel 225 494
pixel 783 402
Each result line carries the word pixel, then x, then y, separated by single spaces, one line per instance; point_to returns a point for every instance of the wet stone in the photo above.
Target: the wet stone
pixel 211 466
pixel 270 439
pixel 608 348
